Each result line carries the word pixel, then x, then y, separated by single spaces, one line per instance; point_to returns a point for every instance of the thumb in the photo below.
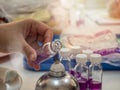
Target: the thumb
pixel 29 52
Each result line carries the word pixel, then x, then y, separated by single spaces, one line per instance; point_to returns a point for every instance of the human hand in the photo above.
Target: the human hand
pixel 23 36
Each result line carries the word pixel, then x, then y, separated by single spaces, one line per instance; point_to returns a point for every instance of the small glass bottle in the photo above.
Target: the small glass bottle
pixel 88 52
pixel 47 51
pixel 74 51
pixel 82 71
pixel 96 80
pixel 65 58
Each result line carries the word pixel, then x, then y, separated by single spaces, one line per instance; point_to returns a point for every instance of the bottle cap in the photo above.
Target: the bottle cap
pixel 57 67
pixel 95 58
pixel 81 58
pixel 65 52
pixel 57 70
pixel 88 52
pixel 75 49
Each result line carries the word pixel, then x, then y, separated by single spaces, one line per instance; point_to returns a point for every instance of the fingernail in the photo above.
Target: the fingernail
pixel 36 67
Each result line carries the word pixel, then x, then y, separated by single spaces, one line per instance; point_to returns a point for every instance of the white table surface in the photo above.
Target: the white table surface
pixel 111 79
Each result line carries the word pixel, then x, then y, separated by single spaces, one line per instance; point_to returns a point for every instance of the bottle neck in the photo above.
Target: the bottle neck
pixel 81 65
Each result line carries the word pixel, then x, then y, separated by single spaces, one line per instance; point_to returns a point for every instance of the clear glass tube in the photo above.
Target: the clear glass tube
pixel 95 72
pixel 82 71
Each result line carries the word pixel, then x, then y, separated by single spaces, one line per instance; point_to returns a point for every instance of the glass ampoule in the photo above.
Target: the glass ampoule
pixel 95 81
pixel 47 51
pixel 74 51
pixel 88 52
pixel 65 58
pixel 82 71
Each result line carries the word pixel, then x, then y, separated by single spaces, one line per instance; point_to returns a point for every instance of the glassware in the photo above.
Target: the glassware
pixel 74 51
pixel 65 54
pixel 9 79
pixel 82 71
pixel 95 81
pixel 47 51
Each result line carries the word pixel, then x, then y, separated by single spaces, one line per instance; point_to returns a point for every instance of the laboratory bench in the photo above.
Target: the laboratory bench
pixel 110 81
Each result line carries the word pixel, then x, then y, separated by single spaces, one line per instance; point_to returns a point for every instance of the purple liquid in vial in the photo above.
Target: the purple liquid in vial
pixel 83 84
pixel 41 57
pixel 47 50
pixel 95 85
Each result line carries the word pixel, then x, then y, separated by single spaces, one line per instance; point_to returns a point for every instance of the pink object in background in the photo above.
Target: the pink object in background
pixel 100 40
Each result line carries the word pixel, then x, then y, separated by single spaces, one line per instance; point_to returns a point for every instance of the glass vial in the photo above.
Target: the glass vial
pixel 88 52
pixel 74 51
pixel 95 82
pixel 47 51
pixel 82 71
pixel 65 58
